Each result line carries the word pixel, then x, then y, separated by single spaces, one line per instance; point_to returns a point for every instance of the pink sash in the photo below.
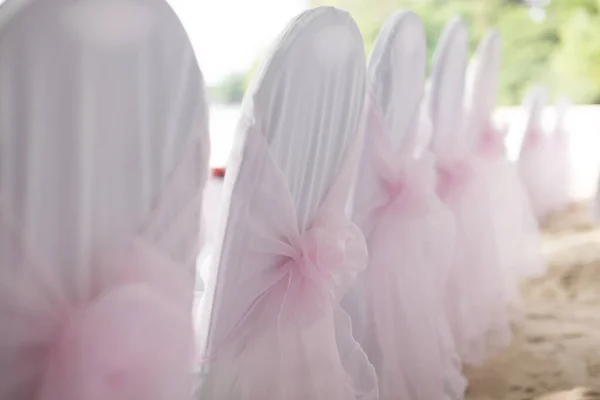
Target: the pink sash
pixel 492 142
pixel 410 234
pixel 131 336
pixel 285 335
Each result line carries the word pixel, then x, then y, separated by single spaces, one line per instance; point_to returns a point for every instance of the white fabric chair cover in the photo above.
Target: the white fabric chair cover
pixel 396 306
pixel 562 157
pixel 475 298
pixel 535 158
pixel 285 252
pixel 444 99
pixel 515 225
pixel 103 141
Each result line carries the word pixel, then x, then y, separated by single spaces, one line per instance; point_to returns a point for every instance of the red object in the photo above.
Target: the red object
pixel 218 172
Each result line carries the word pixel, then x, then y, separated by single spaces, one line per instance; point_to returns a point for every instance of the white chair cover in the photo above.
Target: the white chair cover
pixel 562 157
pixel 397 307
pixel 103 150
pixel 475 298
pixel 285 251
pixel 535 158
pixel 515 225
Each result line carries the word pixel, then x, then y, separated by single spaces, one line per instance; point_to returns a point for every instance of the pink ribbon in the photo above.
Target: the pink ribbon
pixel 319 258
pixel 132 340
pixel 452 176
pixel 406 185
pixel 295 275
pixel 321 254
pixel 492 142
pixel 404 179
pixel 532 139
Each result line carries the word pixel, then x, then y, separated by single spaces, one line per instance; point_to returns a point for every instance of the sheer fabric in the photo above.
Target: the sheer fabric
pixel 475 297
pixel 292 340
pixel 103 157
pixel 560 143
pixel 535 159
pixel 514 222
pixel 285 251
pixel 410 236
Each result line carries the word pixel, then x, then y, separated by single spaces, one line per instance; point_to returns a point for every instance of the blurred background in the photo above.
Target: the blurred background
pixel 555 43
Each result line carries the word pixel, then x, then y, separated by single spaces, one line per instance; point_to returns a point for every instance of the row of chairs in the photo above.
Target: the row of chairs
pixel 544 158
pixel 361 251
pixel 373 231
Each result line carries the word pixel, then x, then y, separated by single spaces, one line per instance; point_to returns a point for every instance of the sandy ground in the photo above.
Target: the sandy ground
pixel 555 354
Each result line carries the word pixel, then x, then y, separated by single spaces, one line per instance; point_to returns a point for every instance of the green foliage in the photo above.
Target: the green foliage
pixel 561 51
pixel 230 90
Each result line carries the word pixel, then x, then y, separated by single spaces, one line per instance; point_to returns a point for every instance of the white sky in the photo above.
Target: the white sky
pixel 229 35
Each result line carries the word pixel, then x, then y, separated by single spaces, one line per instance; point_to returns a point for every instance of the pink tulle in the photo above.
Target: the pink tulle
pixel 492 143
pixel 410 237
pixel 562 166
pixel 515 225
pixel 536 163
pixel 288 337
pixel 110 346
pixel 476 299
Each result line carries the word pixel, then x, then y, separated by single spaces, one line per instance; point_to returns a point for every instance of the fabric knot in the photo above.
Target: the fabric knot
pixel 452 176
pixel 114 346
pixel 326 257
pixel 406 183
pixel 322 252
pixel 532 139
pixel 492 142
pixel 394 189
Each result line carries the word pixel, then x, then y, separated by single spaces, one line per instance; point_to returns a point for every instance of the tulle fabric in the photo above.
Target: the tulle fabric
pixel 535 168
pixel 410 235
pixel 102 171
pixel 112 345
pixel 287 337
pixel 515 226
pixel 476 300
pixel 561 163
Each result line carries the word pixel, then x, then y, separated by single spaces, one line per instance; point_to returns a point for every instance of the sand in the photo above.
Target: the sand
pixel 555 354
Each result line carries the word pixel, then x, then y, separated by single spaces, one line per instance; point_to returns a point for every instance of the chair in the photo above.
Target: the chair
pixel 396 306
pixel 514 223
pixel 475 297
pixel 104 153
pixel 285 251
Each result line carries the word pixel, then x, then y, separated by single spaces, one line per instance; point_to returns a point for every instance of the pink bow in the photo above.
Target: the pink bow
pixel 295 274
pixel 452 176
pixel 132 339
pixel 315 265
pixel 492 142
pixel 321 254
pixel 405 180
pixel 406 183
pixel 532 139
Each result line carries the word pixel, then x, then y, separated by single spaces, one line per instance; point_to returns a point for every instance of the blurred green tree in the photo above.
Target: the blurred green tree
pixel 559 46
pixel 230 90
pixel 577 58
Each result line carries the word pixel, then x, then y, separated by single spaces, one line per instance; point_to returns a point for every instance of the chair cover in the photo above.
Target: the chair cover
pixel 475 298
pixel 561 154
pixel 535 158
pixel 396 306
pixel 103 156
pixel 285 251
pixel 514 223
